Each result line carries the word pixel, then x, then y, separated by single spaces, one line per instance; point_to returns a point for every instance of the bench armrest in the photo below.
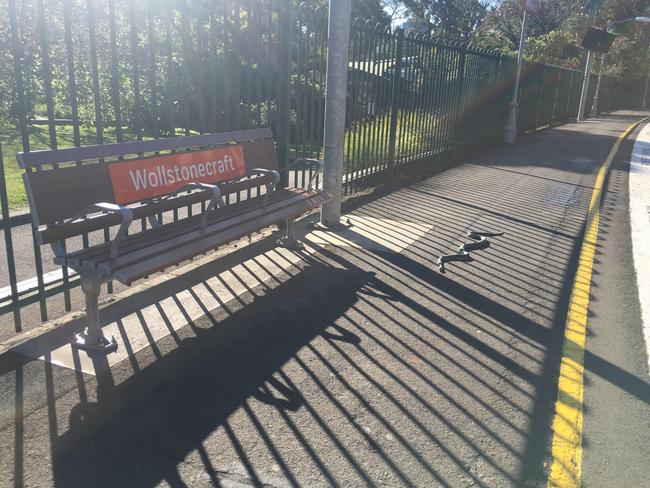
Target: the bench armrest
pixel 270 188
pixel 125 212
pixel 309 161
pixel 215 202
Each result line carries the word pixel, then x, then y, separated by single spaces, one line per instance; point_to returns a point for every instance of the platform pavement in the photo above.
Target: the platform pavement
pixel 355 362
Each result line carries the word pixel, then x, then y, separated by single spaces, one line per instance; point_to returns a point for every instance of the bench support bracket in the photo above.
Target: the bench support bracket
pixel 92 338
pixel 289 239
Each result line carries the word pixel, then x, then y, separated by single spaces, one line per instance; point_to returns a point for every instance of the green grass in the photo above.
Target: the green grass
pixel 413 136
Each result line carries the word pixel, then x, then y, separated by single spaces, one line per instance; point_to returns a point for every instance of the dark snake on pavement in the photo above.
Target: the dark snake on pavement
pixel 480 242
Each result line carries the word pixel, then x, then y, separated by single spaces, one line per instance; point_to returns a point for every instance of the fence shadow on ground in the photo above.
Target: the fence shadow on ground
pixel 193 390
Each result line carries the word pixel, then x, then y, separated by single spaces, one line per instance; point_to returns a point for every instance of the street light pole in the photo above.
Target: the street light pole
pixel 594 104
pixel 585 88
pixel 510 130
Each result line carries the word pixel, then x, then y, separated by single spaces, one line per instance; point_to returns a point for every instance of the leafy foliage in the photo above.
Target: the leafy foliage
pixel 455 19
pixel 555 35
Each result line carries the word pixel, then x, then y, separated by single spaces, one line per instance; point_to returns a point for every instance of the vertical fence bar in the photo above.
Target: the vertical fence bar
pixel 459 99
pixel 46 67
pixel 227 62
pixel 153 85
pixel 72 92
pixel 388 48
pixel 235 62
pixel 558 77
pixel 540 98
pixel 354 94
pixel 450 68
pixel 135 66
pixel 216 94
pixel 186 51
pixel 170 106
pixel 366 162
pixel 115 75
pixel 394 113
pixel 19 84
pixel 258 63
pixel 200 57
pixel 349 111
pixel 9 246
pixel 366 79
pixel 439 72
pixel 94 68
pixel 373 109
pixel 72 81
pixel 567 108
pixel 430 94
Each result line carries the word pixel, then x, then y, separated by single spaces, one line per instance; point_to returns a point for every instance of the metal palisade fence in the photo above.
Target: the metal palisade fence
pixel 413 99
pixel 78 72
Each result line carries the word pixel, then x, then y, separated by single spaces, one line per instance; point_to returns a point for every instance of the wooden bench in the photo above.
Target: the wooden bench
pixel 76 191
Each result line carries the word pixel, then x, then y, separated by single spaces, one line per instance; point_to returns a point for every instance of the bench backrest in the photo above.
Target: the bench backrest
pixel 63 182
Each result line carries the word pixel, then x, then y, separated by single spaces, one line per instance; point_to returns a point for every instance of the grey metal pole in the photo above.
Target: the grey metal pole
pixel 585 88
pixel 335 97
pixel 510 130
pixel 594 104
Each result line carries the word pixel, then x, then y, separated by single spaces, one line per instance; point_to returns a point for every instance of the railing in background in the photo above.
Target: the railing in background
pixel 413 99
pixel 100 71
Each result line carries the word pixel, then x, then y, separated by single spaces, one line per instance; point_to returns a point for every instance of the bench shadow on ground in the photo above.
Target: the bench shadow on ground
pixel 192 390
pixel 358 352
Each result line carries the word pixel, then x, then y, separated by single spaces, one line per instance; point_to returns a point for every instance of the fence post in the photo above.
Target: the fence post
pixel 585 88
pixel 558 78
pixel 338 50
pixel 540 100
pixel 21 108
pixel 282 121
pixel 460 100
pixel 395 95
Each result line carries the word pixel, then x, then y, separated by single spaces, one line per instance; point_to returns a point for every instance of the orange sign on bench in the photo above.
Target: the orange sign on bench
pixel 140 179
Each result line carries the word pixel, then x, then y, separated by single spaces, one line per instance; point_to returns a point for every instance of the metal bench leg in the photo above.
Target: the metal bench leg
pixel 289 240
pixel 92 339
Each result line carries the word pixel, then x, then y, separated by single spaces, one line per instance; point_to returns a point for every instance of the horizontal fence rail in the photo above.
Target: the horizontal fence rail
pixel 86 72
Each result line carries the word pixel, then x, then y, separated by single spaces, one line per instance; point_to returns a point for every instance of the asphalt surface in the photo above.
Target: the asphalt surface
pixel 359 367
pixel 617 392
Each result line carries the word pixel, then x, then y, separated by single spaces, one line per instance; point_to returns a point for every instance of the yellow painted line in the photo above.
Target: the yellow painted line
pixel 566 447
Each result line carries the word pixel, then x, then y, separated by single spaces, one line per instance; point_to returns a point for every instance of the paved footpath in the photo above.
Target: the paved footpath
pixel 356 362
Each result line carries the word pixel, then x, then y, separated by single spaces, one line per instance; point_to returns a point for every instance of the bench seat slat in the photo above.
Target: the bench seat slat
pixel 180 236
pixel 153 248
pixel 147 267
pixel 169 231
pixel 63 231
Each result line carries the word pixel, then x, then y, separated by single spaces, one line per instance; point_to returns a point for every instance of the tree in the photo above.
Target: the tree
pixel 454 19
pixel 502 26
pixel 372 10
pixel 629 54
